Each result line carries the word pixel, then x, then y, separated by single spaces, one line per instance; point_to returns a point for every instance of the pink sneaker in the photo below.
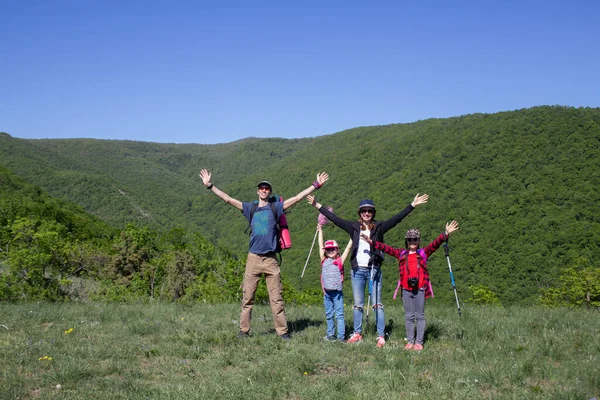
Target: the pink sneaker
pixel 380 341
pixel 417 347
pixel 408 346
pixel 356 337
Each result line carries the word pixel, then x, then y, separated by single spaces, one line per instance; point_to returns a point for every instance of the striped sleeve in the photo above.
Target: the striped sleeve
pixel 392 251
pixel 433 246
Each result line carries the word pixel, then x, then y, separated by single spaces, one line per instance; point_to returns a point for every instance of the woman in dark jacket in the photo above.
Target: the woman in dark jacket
pixel 366 261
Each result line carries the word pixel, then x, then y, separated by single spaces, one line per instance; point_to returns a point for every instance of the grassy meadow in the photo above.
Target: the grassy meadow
pixel 171 351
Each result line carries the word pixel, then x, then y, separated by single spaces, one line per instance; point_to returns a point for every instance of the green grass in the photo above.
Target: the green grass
pixel 169 351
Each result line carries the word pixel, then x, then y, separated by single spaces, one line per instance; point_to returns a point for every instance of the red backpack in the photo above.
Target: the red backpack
pixel 403 254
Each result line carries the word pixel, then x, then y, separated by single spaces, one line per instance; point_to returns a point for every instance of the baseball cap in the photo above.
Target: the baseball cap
pixel 413 234
pixel 331 243
pixel 366 203
pixel 265 183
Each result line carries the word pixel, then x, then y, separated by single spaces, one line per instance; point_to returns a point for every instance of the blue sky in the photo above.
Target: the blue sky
pixel 215 72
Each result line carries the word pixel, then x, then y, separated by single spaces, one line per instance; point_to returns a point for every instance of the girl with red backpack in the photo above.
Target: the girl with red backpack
pixel 414 278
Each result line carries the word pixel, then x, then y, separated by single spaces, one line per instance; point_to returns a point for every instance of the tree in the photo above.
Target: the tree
pixel 579 285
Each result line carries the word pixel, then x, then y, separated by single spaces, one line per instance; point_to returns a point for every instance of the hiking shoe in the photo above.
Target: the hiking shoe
pixel 417 347
pixel 341 340
pixel 285 336
pixel 329 338
pixel 408 346
pixel 380 341
pixel 242 334
pixel 355 338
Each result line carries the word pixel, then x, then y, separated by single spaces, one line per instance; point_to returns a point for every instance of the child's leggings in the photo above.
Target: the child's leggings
pixel 414 308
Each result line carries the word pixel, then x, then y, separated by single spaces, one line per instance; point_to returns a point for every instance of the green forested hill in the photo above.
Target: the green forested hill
pixel 125 181
pixel 52 249
pixel 20 199
pixel 523 184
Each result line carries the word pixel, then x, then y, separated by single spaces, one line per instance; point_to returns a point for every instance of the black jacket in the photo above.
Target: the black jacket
pixel 353 229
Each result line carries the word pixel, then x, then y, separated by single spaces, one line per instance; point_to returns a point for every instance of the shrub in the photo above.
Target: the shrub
pixel 482 295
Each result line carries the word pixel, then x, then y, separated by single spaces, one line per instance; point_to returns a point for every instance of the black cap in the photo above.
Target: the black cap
pixel 366 203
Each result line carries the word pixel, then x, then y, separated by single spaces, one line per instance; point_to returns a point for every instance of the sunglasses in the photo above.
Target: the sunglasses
pixel 412 240
pixel 264 188
pixel 366 210
pixel 329 249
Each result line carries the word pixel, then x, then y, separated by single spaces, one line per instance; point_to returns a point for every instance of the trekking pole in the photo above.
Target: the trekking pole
pixel 309 253
pixel 375 295
pixel 447 251
pixel 321 220
pixel 369 299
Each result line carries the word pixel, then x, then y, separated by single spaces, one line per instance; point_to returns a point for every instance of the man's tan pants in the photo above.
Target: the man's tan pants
pixel 256 266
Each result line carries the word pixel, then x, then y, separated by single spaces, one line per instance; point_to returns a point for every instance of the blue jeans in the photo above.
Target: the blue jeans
pixel 334 306
pixel 360 281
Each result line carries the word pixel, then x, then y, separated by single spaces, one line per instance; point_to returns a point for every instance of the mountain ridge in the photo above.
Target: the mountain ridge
pixel 523 184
